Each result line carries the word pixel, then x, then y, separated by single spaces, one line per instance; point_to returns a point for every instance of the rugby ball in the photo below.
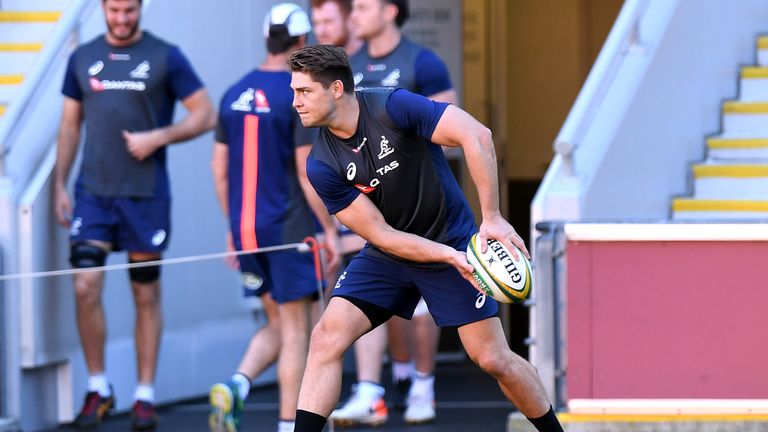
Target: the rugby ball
pixel 498 274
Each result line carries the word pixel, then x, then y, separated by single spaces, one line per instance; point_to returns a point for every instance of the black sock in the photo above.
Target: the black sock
pixel 308 422
pixel 547 423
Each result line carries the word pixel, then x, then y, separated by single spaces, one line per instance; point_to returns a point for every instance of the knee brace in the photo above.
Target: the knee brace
pixel 83 255
pixel 144 274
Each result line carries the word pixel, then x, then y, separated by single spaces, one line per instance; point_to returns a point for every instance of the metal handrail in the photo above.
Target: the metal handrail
pixel 51 49
pixel 623 35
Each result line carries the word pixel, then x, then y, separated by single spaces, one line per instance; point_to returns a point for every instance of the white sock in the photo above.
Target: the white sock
pixel 285 426
pixel 402 370
pixel 423 385
pixel 369 391
pixel 99 383
pixel 144 392
pixel 243 385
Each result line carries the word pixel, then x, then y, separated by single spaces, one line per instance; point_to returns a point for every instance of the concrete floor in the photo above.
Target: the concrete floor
pixel 467 401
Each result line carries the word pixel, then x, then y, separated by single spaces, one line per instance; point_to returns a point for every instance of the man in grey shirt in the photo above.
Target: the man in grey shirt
pixel 123 85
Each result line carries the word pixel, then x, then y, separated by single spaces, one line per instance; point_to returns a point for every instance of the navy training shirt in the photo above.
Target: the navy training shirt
pixel 392 160
pixel 131 88
pixel 258 123
pixel 409 66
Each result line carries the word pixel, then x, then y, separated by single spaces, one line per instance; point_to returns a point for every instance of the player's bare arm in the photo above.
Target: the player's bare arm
pixel 332 243
pixel 201 118
pixel 220 170
pixel 459 129
pixel 365 219
pixel 68 141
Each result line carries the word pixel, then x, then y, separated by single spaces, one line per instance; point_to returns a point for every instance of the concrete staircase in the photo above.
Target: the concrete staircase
pixel 732 184
pixel 24 27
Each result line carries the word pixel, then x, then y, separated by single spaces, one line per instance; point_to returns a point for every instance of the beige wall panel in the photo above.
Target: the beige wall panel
pixel 552 45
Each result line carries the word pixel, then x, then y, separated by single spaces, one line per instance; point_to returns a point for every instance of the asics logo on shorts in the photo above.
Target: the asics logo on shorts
pixel 341 278
pixel 480 302
pixel 158 238
pixel 74 229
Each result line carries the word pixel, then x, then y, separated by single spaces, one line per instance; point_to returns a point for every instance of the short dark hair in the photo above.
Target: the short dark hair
pixel 279 40
pixel 344 5
pixel 402 11
pixel 104 1
pixel 325 64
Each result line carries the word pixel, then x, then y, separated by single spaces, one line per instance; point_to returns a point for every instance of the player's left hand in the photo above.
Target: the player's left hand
pixel 332 252
pixel 142 144
pixel 498 228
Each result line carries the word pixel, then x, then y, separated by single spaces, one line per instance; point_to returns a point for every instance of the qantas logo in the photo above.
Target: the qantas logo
pixel 262 104
pixel 99 86
pixel 367 189
pixel 387 168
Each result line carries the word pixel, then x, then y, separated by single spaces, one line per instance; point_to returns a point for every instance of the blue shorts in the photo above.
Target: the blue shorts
pixel 288 275
pixel 397 287
pixel 132 224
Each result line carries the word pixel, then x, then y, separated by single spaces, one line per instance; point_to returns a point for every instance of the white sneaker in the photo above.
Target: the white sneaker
pixel 360 411
pixel 421 409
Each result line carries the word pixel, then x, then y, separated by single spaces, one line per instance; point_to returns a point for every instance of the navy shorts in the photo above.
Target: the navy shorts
pixel 288 275
pixel 132 224
pixel 397 287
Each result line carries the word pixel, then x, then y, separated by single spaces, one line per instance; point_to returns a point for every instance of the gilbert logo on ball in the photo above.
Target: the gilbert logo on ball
pixel 498 274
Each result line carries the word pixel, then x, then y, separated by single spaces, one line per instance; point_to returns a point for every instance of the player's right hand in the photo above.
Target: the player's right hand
pixel 63 207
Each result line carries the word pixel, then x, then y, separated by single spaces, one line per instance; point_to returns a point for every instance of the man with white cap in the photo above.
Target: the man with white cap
pixel 259 162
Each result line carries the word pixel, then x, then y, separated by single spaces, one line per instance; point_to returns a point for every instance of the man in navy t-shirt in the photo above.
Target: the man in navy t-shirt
pixel 123 86
pixel 390 59
pixel 259 167
pixel 378 167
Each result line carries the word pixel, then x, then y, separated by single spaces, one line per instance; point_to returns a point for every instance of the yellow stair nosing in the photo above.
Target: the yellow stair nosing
pixel 21 46
pixel 29 16
pixel 737 143
pixel 735 171
pixel 11 79
pixel 754 72
pixel 691 204
pixel 762 42
pixel 656 418
pixel 737 107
